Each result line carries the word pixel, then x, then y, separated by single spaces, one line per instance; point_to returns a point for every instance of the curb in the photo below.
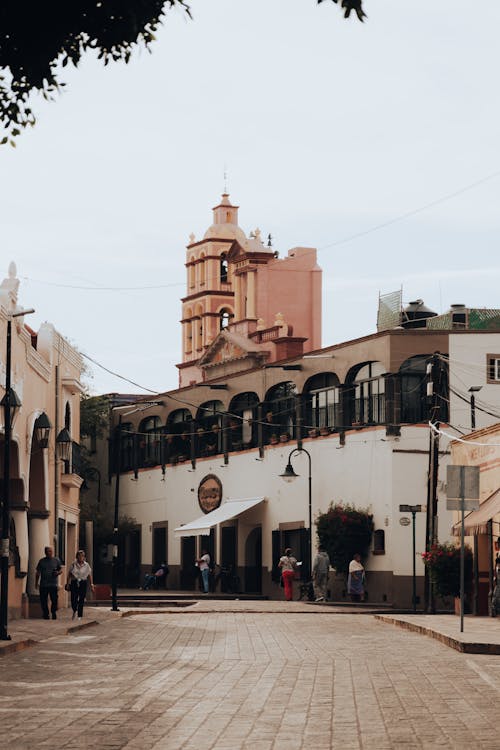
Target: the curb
pixel 81 626
pixel 11 648
pixel 464 647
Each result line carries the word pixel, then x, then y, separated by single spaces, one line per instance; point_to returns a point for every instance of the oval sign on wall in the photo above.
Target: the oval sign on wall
pixel 404 521
pixel 210 493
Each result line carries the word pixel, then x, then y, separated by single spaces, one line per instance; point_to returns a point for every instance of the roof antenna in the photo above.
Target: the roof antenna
pixel 225 179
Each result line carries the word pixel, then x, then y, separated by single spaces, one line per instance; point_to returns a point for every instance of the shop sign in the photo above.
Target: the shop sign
pixel 210 493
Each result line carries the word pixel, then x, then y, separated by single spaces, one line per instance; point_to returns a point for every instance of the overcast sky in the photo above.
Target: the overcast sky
pixel 329 128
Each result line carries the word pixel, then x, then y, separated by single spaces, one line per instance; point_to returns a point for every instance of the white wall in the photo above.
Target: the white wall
pixel 370 471
pixel 468 367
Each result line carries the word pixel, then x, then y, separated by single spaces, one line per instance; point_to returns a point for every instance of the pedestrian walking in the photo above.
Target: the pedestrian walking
pixel 495 598
pixel 203 564
pixel 321 568
pixel 356 579
pixel 288 565
pixel 48 571
pixel 79 578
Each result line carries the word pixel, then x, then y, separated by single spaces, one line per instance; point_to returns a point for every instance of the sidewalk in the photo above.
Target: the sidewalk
pixel 26 633
pixel 481 634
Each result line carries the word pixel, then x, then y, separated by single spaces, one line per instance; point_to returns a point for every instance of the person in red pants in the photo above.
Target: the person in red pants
pixel 288 565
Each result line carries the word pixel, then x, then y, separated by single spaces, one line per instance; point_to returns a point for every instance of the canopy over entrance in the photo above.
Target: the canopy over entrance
pixel 229 509
pixel 476 522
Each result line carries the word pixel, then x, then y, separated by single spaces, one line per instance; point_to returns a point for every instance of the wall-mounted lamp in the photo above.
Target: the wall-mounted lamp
pixel 42 430
pixel 63 445
pixel 12 402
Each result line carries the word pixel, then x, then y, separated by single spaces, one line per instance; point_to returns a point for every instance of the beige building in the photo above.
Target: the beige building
pixel 44 481
pixel 482 526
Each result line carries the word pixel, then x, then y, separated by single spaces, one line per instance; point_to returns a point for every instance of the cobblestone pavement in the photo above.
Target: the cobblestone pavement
pixel 265 681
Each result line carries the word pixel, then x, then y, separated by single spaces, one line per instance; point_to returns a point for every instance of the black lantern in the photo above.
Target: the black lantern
pixel 11 401
pixel 289 474
pixel 63 445
pixel 42 430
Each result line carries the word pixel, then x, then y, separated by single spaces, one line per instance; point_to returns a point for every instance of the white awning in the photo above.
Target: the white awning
pixel 477 521
pixel 226 511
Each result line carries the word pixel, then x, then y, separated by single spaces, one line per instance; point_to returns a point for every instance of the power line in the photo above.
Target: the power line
pixel 413 212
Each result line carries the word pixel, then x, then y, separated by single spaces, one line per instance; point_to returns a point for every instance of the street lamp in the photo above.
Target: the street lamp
pixel 472 390
pixel 289 475
pixel 114 564
pixel 413 509
pixel 11 404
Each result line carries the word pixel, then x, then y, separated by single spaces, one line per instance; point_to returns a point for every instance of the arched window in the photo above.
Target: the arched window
pixel 67 417
pixel 178 435
pixel 209 431
pixel 198 328
pixel 322 401
pixel 280 410
pixel 224 318
pixel 202 271
pixel 367 393
pixel 244 407
pixel 223 268
pixel 127 447
pixel 149 441
pixel 191 273
pixel 414 406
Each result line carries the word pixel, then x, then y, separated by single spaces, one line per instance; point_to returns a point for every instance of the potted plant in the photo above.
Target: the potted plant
pixel 273 439
pixel 443 563
pixel 313 432
pixel 284 437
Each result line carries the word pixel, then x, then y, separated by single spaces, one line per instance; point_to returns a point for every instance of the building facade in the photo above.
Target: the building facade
pixel 44 481
pixel 205 461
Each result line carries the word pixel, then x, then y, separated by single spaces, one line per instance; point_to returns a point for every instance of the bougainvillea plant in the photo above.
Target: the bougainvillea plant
pixel 443 563
pixel 344 530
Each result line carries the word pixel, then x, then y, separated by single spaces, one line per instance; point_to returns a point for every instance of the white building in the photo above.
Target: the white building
pixel 359 409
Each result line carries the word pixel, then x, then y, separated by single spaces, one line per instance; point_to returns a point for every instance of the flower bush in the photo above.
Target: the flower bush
pixel 443 563
pixel 344 530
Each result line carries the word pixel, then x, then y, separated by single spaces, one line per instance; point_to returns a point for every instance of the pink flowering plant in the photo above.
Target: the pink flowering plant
pixel 344 530
pixel 443 563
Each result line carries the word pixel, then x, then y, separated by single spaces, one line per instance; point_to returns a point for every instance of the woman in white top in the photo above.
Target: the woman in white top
pixel 79 576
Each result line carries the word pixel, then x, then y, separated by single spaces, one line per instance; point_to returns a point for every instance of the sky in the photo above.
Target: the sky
pixel 377 143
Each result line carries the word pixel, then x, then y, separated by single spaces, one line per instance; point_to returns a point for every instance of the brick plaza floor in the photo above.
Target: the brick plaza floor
pixel 279 677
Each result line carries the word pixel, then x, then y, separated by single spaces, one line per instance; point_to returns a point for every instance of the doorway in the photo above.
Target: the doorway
pixel 253 561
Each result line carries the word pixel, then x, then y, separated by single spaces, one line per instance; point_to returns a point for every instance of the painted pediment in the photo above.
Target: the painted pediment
pixel 228 347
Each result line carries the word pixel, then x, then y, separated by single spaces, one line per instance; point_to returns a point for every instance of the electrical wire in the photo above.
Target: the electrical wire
pixel 471 443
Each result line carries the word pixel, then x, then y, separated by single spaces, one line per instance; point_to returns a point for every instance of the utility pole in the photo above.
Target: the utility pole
pixel 433 393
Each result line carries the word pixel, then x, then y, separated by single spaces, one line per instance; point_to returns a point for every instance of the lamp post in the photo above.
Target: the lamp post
pixel 11 404
pixel 289 475
pixel 118 456
pixel 413 509
pixel 472 390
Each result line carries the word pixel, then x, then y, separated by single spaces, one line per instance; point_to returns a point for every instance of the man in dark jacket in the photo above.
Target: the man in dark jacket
pixel 48 571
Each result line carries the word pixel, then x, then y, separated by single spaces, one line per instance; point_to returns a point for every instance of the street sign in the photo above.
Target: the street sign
pixel 462 481
pixel 410 508
pixel 456 504
pixel 404 521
